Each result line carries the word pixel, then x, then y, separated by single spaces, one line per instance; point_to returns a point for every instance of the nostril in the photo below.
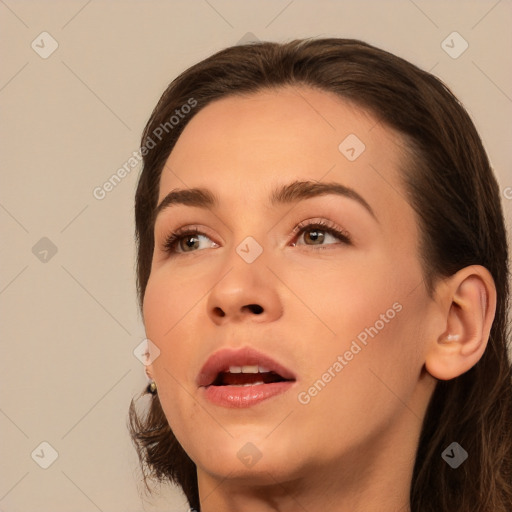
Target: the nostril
pixel 255 308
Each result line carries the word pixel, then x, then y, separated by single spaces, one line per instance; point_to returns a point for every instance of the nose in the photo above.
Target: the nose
pixel 247 292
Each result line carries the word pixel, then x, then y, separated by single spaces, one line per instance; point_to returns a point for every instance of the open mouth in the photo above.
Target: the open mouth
pixel 244 377
pixel 247 376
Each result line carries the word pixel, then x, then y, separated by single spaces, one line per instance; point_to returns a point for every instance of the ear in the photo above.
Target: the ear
pixel 468 305
pixel 151 352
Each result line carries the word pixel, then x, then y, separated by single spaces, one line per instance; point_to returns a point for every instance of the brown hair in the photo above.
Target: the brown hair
pixel 456 198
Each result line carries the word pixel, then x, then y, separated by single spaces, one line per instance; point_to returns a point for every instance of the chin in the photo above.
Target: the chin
pixel 250 455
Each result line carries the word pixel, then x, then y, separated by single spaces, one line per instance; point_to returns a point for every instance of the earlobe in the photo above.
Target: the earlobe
pixel 149 355
pixel 469 299
pixel 151 387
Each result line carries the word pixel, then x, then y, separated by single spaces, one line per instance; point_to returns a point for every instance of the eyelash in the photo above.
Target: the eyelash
pixel 172 240
pixel 322 225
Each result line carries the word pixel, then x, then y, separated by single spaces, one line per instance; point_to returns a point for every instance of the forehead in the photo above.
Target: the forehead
pixel 242 146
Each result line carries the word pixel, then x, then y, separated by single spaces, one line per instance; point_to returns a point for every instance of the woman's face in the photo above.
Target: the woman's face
pixel 346 316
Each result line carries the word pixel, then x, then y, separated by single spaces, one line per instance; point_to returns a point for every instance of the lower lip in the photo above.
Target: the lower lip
pixel 245 396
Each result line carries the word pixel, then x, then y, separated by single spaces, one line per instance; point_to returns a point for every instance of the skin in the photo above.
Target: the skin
pixel 351 447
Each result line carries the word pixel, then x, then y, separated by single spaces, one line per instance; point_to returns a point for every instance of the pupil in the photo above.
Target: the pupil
pixel 194 240
pixel 316 235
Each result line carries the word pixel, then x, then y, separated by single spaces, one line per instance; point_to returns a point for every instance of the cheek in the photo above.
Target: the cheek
pixel 158 307
pixel 170 310
pixel 166 313
pixel 371 382
pixel 371 319
pixel 169 302
pixel 345 297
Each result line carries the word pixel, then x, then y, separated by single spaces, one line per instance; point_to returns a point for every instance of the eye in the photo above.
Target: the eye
pixel 319 232
pixel 185 240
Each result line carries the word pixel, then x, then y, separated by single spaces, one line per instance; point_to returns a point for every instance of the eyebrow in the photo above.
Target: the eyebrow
pixel 284 194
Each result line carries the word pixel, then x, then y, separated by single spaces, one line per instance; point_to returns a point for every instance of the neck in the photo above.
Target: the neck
pixel 306 495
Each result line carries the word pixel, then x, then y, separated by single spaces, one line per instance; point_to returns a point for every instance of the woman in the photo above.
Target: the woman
pixel 322 272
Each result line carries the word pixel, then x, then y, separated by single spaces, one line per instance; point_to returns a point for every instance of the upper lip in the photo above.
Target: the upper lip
pixel 221 360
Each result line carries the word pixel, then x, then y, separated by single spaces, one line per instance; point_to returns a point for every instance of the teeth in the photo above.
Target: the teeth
pixel 248 369
pixel 254 384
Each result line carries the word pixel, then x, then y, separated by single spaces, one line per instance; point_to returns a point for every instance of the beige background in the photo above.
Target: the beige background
pixel 70 324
